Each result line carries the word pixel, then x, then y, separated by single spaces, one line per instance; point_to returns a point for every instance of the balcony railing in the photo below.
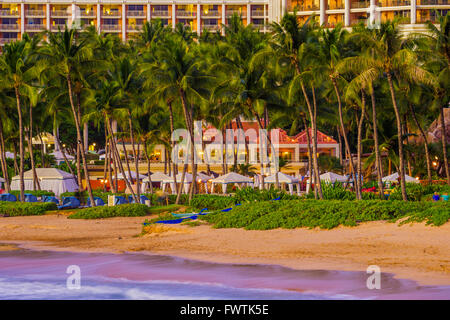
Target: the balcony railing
pixel 432 2
pixel 34 27
pixel 210 27
pixel 211 13
pixel 58 27
pixel 360 4
pixel 7 40
pixel 134 27
pixel 310 7
pixel 35 13
pixel 60 13
pixel 229 13
pixel 258 26
pixel 136 13
pixel 9 27
pixel 183 13
pixel 91 13
pixel 111 27
pixel 394 3
pixel 111 14
pixel 160 13
pixel 9 13
pixel 336 6
pixel 257 13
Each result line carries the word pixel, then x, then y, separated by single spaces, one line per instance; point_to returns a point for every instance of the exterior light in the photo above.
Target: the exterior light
pixel 434 163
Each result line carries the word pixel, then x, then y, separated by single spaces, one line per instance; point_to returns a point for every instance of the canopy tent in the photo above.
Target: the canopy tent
pixel 332 177
pixel 169 181
pixel 284 178
pixel 230 178
pixel 127 174
pixel 157 177
pixel 60 157
pixel 50 179
pixel 9 155
pixel 394 178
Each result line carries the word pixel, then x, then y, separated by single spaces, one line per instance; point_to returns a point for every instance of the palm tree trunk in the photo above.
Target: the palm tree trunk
pixel 359 151
pixel 425 142
pixel 309 154
pixel 21 153
pixel 224 152
pixel 148 170
pixel 79 177
pixel 344 134
pixel 174 161
pixel 16 166
pixel 399 139
pixel 110 158
pixel 180 189
pixel 130 177
pixel 315 150
pixel 444 143
pixel 376 145
pixel 80 141
pixel 3 159
pixel 340 144
pixel 36 183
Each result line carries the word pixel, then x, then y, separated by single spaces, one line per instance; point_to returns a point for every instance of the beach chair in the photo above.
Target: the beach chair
pixel 8 197
pixel 30 197
pixel 142 199
pixel 69 203
pixel 98 202
pixel 50 199
pixel 226 210
pixel 276 199
pixel 119 200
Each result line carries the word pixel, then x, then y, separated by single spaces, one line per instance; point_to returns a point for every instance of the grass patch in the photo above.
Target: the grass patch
pixel 14 209
pixel 124 210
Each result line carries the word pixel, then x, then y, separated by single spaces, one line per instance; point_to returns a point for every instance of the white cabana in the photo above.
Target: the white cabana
pixel 133 175
pixel 169 181
pixel 230 178
pixel 9 155
pixel 60 157
pixel 394 178
pixel 284 178
pixel 50 179
pixel 155 177
pixel 332 177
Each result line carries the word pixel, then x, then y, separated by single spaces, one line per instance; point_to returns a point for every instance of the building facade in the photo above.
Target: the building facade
pixel 126 17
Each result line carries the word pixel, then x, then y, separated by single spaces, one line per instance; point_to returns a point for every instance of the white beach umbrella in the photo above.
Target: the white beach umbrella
pixel 332 177
pixel 394 178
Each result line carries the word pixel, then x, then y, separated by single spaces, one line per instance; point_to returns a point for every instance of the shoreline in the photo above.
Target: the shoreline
pixel 410 252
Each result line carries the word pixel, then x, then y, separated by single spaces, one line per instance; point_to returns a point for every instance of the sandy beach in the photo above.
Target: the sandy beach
pixel 412 251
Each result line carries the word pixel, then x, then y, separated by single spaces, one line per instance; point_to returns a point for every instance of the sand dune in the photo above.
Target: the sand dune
pixel 414 251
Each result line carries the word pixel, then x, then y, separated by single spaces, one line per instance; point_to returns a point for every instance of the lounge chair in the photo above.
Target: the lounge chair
pixel 176 221
pixel 226 210
pixel 119 200
pixel 69 203
pixel 142 199
pixel 50 199
pixel 8 197
pixel 98 202
pixel 30 197
pixel 276 199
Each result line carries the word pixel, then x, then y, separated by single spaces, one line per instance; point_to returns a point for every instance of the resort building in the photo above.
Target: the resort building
pixel 126 17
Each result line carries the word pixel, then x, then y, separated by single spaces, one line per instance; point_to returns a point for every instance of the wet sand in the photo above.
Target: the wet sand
pixel 413 251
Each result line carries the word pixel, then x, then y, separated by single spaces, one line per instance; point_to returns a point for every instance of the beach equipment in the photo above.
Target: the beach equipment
pixel 394 178
pixel 331 177
pixel 142 199
pixel 59 157
pixel 119 200
pixel 30 197
pixel 134 176
pixel 50 199
pixel 51 179
pixel 185 215
pixel 176 221
pixel 290 181
pixel 169 181
pixel 230 178
pixel 8 197
pixel 69 203
pixel 97 200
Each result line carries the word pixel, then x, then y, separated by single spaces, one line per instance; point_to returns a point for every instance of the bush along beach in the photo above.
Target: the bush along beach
pixel 125 210
pixel 13 209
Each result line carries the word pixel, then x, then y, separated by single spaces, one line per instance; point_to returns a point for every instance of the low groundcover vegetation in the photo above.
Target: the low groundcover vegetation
pixel 13 209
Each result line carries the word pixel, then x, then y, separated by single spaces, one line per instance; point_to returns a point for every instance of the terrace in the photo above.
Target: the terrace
pixel 136 13
pixel 111 27
pixel 160 13
pixel 9 13
pixel 9 27
pixel 186 14
pixel 34 27
pixel 394 3
pixel 60 14
pixel 35 13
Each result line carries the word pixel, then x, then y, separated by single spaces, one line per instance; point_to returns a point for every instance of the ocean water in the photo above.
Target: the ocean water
pixel 31 274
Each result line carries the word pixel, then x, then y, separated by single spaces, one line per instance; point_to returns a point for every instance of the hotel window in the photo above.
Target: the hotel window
pixel 394 3
pixel 358 17
pixel 211 22
pixel 334 19
pixel 304 5
pixel 360 4
pixel 336 4
pixel 391 15
pixel 429 15
pixel 34 21
pixel 432 2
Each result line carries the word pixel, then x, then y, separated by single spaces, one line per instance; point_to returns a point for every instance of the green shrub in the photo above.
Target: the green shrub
pixel 37 193
pixel 251 195
pixel 124 210
pixel 25 208
pixel 212 202
pixel 325 214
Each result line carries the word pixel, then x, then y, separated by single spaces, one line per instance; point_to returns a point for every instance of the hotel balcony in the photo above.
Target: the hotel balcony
pixel 134 28
pixel 160 14
pixel 394 3
pixel 60 14
pixel 34 27
pixel 229 13
pixel 35 13
pixel 111 28
pixel 211 14
pixel 211 27
pixel 257 13
pixel 259 26
pixel 111 14
pixel 90 14
pixel 7 40
pixel 9 13
pixel 186 14
pixel 303 7
pixel 58 27
pixel 360 4
pixel 136 14
pixel 9 28
pixel 432 2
